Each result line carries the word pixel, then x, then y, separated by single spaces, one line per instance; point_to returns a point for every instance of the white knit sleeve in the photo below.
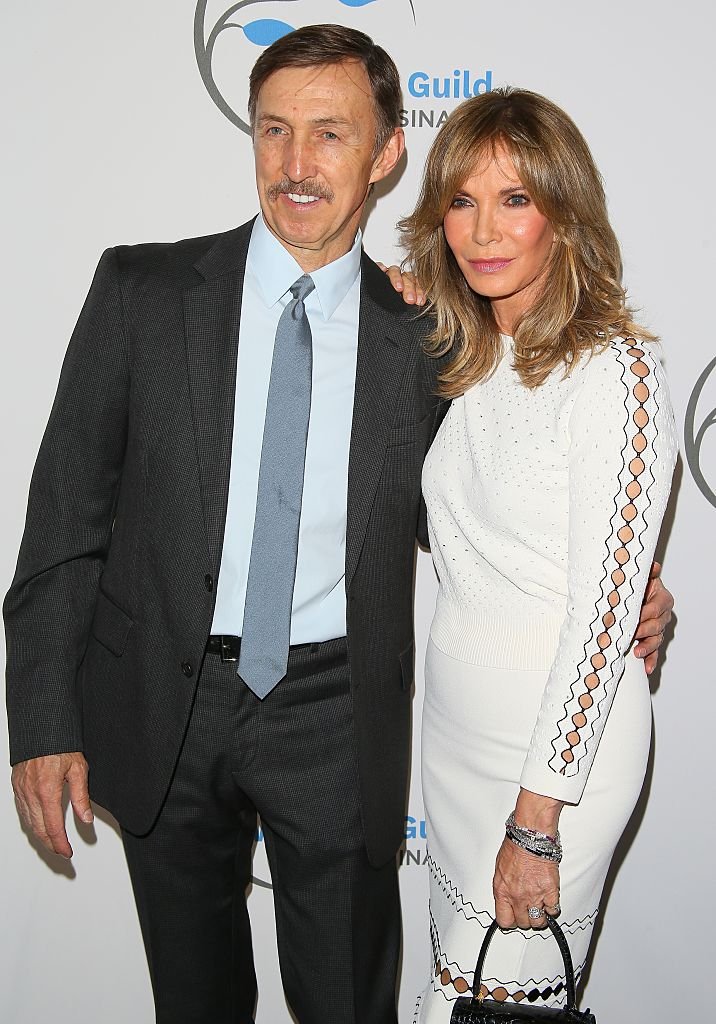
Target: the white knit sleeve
pixel 621 456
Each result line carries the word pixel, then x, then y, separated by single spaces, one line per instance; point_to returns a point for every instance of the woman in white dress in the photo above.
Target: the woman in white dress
pixel 545 489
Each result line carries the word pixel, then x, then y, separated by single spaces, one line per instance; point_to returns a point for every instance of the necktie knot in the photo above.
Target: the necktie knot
pixel 300 290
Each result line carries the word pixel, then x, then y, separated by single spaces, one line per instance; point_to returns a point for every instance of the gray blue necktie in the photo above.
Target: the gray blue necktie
pixel 272 567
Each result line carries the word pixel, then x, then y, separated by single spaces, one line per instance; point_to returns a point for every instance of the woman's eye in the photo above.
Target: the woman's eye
pixel 460 203
pixel 518 199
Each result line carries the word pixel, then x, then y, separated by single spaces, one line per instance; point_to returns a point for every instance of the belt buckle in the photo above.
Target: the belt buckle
pixel 226 654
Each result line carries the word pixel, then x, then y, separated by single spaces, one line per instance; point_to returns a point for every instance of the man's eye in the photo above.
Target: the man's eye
pixel 274 130
pixel 330 136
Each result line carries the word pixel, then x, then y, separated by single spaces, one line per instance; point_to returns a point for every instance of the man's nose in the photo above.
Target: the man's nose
pixel 299 160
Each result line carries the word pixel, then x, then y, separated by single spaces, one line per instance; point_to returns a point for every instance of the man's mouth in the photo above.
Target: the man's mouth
pixel 300 193
pixel 296 198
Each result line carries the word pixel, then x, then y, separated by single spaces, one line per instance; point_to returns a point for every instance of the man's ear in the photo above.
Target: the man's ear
pixel 389 156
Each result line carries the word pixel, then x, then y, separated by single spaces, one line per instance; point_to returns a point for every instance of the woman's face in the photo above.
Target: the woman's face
pixel 499 238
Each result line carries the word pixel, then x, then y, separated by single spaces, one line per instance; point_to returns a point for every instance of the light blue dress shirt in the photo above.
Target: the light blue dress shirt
pixel 319 600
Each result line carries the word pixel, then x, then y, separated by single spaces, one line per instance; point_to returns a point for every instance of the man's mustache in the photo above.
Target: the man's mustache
pixel 303 188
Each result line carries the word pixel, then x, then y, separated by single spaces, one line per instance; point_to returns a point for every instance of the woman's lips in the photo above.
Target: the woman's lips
pixel 490 266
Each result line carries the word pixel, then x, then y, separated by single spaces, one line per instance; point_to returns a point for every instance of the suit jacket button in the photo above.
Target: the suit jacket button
pixel 187 669
pixel 209 582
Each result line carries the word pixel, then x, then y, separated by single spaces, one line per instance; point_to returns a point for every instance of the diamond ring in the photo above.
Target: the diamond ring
pixel 534 913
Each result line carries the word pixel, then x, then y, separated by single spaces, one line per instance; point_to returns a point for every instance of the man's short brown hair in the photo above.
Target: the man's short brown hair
pixel 321 45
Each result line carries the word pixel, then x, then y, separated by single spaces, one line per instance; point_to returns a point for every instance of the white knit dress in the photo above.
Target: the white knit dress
pixel 544 510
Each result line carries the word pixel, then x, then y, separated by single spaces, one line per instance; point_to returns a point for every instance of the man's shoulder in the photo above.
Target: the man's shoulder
pixel 176 261
pixel 376 286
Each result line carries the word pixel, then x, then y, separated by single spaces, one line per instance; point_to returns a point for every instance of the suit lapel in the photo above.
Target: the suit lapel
pixel 381 363
pixel 212 312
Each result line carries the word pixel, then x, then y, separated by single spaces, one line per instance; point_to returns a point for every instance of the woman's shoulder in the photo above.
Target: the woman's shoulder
pixel 620 363
pixel 623 377
pixel 627 350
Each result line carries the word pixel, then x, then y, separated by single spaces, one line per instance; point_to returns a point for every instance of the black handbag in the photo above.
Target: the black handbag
pixel 473 1009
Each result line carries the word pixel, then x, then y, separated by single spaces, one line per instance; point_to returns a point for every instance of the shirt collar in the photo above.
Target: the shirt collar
pixel 275 270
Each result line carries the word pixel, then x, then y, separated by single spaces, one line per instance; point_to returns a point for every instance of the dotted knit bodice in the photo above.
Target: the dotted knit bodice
pixel 544 508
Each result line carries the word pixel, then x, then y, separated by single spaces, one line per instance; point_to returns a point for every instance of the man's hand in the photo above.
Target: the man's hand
pixel 38 785
pixel 655 617
pixel 405 282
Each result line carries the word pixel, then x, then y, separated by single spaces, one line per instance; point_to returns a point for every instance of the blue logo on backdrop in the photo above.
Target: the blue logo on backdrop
pixel 257 32
pixel 460 84
pixel 414 850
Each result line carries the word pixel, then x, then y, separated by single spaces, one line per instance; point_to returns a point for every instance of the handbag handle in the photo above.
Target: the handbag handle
pixel 563 948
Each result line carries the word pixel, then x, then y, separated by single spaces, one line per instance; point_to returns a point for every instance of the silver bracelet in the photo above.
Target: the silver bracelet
pixel 537 843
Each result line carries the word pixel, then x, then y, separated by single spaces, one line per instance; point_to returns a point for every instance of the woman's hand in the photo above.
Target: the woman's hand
pixel 522 879
pixel 404 282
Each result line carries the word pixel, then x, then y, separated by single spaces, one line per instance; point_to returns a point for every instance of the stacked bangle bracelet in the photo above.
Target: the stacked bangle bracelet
pixel 537 843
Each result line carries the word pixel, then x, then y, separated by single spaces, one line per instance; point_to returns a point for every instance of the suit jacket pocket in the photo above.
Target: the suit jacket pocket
pixel 409 433
pixel 407 666
pixel 111 625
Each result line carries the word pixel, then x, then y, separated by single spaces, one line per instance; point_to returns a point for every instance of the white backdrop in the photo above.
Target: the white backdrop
pixel 111 136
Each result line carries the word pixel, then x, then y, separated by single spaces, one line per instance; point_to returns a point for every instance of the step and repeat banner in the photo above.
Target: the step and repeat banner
pixel 127 122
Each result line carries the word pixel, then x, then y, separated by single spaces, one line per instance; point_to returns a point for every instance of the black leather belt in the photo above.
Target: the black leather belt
pixel 228 647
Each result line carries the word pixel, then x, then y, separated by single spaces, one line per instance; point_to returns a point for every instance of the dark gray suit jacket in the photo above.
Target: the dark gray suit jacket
pixel 112 601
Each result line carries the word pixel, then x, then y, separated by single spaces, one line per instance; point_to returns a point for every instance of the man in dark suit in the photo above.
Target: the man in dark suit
pixel 212 610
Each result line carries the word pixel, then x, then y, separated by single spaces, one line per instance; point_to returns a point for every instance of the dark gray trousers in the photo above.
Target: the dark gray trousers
pixel 291 758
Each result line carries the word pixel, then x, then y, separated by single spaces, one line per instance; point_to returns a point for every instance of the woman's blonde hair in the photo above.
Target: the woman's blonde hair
pixel 582 303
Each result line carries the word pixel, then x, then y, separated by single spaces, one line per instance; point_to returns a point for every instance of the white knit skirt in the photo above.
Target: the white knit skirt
pixel 477 725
